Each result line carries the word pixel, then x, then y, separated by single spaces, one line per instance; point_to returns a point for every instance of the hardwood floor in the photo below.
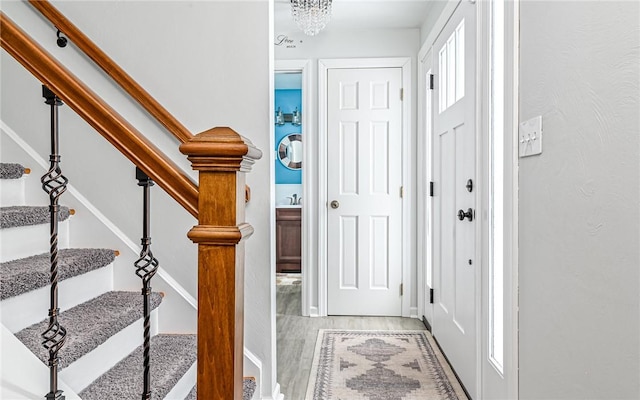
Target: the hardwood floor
pixel 297 335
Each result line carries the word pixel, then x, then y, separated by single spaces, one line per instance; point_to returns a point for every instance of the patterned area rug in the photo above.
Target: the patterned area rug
pixel 379 365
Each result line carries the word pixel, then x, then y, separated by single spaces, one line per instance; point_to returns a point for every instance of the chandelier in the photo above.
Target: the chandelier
pixel 311 16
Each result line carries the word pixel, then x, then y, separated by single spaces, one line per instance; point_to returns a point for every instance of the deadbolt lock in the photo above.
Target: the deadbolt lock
pixel 469 185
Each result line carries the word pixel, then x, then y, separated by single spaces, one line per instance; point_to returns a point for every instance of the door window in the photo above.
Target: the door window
pixel 451 63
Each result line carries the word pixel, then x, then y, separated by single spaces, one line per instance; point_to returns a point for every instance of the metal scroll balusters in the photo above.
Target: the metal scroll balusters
pixel 146 268
pixel 54 183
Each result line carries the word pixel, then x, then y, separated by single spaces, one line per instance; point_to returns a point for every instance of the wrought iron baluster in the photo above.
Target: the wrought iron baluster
pixel 54 183
pixel 146 268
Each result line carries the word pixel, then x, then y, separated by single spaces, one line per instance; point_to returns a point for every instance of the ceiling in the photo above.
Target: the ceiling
pixel 362 14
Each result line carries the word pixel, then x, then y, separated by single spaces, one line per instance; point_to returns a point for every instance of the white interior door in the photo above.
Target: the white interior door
pixel 454 150
pixel 364 178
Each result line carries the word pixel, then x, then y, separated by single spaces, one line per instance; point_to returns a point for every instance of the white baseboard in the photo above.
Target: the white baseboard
pixel 253 368
pixel 413 312
pixel 276 395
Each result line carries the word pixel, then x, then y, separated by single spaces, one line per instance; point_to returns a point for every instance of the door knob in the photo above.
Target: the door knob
pixel 462 215
pixel 335 204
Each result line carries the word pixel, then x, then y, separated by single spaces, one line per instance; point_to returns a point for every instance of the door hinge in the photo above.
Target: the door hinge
pixel 431 189
pixel 431 296
pixel 401 191
pixel 401 94
pixel 402 289
pixel 431 82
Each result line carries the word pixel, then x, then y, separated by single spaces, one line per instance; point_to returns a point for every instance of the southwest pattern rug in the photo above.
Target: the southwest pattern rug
pixel 378 365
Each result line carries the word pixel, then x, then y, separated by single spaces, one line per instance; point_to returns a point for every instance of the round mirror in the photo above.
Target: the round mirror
pixel 290 151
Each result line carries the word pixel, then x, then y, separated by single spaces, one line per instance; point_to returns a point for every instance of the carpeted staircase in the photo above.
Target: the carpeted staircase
pixel 101 358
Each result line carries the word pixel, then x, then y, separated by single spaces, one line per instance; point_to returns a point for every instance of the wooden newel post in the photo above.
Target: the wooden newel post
pixel 222 158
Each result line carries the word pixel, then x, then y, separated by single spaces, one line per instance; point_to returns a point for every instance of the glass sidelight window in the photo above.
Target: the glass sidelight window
pixel 451 63
pixel 497 209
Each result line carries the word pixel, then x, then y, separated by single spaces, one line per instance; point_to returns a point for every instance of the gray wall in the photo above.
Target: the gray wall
pixel 579 238
pixel 436 7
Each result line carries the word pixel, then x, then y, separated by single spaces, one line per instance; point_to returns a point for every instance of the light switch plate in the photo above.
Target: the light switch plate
pixel 530 137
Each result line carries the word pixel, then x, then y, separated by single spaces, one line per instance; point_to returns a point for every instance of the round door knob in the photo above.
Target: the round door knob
pixel 462 215
pixel 335 204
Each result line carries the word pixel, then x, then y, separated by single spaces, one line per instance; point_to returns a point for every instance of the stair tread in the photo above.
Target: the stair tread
pixel 11 171
pixel 30 273
pixel 15 216
pixel 248 389
pixel 89 324
pixel 171 357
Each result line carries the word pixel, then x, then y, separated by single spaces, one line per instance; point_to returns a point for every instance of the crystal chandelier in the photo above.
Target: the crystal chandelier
pixel 311 15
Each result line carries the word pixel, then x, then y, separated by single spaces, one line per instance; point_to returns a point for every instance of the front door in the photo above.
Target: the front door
pixel 454 169
pixel 364 178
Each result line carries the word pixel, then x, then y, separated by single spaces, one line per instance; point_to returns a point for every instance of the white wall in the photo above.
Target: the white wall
pixel 208 64
pixel 353 44
pixel 579 215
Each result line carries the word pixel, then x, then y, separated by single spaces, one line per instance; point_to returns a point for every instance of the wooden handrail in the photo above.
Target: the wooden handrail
pixel 112 69
pixel 104 119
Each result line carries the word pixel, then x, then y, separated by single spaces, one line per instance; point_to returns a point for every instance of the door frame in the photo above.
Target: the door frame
pixel 425 168
pixel 424 174
pixel 407 161
pixel 511 163
pixel 307 264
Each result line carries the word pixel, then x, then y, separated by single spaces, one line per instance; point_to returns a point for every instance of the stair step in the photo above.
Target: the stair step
pixel 14 216
pixel 89 324
pixel 248 389
pixel 26 241
pixel 26 274
pixel 12 185
pixel 171 357
pixel 11 171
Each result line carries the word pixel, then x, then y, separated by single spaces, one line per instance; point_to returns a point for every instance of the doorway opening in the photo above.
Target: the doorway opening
pixel 288 174
pixel 293 158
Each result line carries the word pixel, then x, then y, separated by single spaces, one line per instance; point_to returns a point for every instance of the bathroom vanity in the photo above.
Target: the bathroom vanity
pixel 288 238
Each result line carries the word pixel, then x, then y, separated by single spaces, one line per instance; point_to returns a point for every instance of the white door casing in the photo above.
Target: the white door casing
pixel 364 179
pixel 456 266
pixel 425 206
pixel 309 231
pixel 498 26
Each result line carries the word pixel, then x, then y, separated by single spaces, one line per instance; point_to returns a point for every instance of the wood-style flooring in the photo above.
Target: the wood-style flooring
pixel 297 337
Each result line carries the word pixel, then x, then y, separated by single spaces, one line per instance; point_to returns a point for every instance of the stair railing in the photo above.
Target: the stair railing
pixel 111 68
pixel 54 184
pixel 146 268
pixel 102 117
pixel 222 158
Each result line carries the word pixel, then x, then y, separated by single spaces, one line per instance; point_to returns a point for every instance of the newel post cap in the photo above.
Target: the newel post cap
pixel 221 149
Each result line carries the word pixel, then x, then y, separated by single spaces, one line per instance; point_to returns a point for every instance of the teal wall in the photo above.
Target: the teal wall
pixel 287 100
